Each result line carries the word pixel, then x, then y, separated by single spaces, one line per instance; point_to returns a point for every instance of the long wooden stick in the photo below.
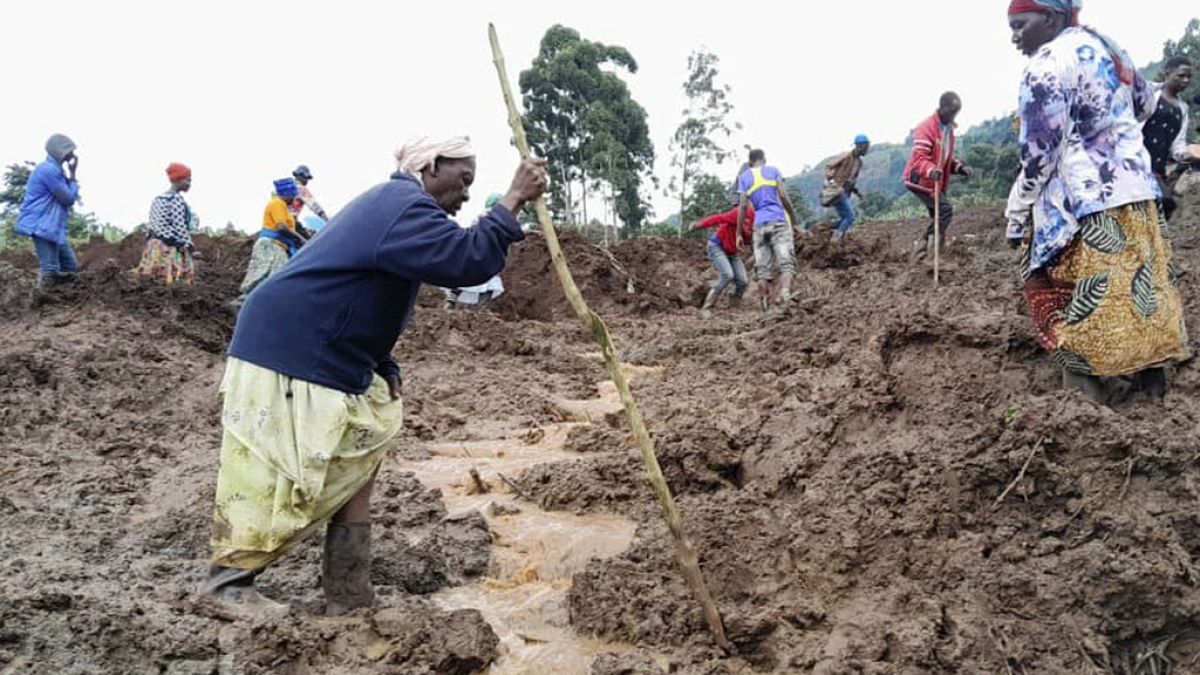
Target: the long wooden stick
pixel 937 232
pixel 683 548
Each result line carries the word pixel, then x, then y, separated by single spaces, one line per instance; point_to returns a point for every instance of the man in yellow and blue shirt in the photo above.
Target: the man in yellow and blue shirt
pixel 763 187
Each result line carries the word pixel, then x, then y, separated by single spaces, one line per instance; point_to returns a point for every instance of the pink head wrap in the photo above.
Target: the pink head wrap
pixel 419 153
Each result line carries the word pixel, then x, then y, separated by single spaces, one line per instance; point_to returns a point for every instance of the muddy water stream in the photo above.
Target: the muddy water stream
pixel 534 552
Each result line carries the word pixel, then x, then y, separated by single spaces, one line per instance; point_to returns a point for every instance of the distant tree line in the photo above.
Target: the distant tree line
pixel 81 225
pixel 581 116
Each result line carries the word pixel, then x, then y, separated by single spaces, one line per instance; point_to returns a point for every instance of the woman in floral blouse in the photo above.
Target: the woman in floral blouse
pixel 1098 276
pixel 168 253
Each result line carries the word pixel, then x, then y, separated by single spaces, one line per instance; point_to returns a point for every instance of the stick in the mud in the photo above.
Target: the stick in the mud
pixel 937 232
pixel 513 486
pixel 683 548
pixel 480 487
pixel 1021 474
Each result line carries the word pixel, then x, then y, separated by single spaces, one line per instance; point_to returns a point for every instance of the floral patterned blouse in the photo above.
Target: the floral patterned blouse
pixel 1081 142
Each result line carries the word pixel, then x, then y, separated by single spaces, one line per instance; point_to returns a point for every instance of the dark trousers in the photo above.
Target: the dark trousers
pixel 1167 205
pixel 53 258
pixel 946 212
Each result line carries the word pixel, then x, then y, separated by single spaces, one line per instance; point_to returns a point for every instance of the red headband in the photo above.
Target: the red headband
pixel 1022 6
pixel 177 172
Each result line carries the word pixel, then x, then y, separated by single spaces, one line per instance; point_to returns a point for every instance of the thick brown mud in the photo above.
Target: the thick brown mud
pixel 839 466
pixel 535 552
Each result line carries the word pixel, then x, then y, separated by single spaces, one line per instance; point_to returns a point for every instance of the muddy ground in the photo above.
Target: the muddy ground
pixel 838 466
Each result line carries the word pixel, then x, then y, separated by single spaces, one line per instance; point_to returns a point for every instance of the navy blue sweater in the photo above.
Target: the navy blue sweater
pixel 332 315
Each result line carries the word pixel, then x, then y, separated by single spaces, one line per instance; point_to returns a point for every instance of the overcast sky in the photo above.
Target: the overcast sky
pixel 243 91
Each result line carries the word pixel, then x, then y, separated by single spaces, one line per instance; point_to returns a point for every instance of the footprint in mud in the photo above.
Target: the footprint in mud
pixel 534 552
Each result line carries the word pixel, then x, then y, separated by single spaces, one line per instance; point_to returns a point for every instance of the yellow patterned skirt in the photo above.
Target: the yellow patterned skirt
pixel 162 261
pixel 292 455
pixel 1107 305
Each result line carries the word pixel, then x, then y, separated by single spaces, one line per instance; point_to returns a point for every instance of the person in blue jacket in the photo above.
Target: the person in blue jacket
pixel 311 389
pixel 49 195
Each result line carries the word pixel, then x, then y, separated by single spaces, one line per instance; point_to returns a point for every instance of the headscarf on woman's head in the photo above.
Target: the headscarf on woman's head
pixel 419 153
pixel 1069 7
pixel 177 172
pixel 1124 65
pixel 287 188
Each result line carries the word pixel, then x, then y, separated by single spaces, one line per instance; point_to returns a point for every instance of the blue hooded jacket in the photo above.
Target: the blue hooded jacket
pixel 49 196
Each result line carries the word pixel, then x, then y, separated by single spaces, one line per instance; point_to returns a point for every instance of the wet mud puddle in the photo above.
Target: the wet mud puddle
pixel 534 552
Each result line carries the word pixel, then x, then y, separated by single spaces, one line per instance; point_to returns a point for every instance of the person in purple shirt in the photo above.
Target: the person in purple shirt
pixel 311 389
pixel 774 218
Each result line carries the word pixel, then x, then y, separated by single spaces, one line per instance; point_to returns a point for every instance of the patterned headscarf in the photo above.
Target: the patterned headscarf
pixel 419 153
pixel 1069 7
pixel 1124 65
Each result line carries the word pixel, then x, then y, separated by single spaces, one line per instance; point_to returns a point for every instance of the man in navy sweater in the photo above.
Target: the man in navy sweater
pixel 312 392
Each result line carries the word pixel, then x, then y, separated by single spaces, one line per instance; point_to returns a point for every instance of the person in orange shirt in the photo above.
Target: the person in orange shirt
pixel 278 239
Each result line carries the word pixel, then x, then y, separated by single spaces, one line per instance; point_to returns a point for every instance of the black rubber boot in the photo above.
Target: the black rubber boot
pixel 219 577
pixel 1153 382
pixel 1091 386
pixel 229 593
pixel 346 568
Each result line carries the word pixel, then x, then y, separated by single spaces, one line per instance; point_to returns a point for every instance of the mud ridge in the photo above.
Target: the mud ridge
pixel 839 467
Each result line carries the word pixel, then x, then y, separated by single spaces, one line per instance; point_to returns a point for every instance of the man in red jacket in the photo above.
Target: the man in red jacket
pixel 931 164
pixel 723 252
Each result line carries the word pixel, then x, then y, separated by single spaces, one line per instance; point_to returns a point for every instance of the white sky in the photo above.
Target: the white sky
pixel 244 91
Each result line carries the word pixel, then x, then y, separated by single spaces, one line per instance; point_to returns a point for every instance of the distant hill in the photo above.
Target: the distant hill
pixel 989 148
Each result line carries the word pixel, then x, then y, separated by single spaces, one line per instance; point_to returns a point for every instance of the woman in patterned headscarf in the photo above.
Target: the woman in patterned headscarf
pixel 1099 281
pixel 168 252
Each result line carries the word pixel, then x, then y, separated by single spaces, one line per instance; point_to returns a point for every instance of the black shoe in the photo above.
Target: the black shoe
pixel 346 568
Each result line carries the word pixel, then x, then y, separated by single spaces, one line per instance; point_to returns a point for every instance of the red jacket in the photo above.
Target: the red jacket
pixel 726 224
pixel 932 149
